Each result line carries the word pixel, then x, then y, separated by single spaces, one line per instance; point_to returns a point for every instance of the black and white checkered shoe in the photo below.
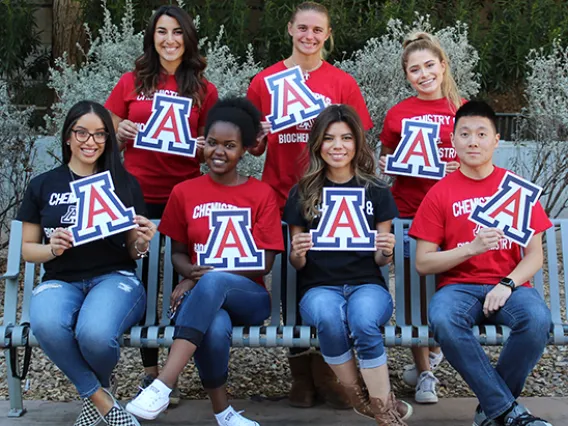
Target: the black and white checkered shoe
pixel 89 414
pixel 118 416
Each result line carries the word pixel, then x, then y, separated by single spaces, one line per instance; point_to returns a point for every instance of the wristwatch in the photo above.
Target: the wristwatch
pixel 508 282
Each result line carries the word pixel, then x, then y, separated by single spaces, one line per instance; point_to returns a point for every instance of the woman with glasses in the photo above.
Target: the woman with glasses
pixel 89 294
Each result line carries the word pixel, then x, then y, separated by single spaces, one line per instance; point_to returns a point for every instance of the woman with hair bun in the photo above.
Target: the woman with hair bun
pixel 218 300
pixel 437 99
pixel 310 29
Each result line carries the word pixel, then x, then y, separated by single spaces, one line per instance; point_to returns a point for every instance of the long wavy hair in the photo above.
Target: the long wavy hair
pixel 148 71
pixel 363 166
pixel 424 41
pixel 110 158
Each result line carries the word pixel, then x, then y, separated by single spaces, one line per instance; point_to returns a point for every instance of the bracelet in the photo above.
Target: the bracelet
pixel 141 253
pixel 387 255
pixel 53 253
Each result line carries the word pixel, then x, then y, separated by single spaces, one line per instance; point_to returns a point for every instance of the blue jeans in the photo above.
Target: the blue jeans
pixel 207 315
pixel 78 324
pixel 456 308
pixel 349 316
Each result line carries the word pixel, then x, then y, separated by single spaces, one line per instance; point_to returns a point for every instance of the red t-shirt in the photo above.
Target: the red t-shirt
pixel 443 219
pixel 156 172
pixel 186 217
pixel 285 164
pixel 408 192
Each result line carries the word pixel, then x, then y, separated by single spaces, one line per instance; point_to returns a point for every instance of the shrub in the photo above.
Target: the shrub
pixel 543 160
pixel 377 67
pixel 17 144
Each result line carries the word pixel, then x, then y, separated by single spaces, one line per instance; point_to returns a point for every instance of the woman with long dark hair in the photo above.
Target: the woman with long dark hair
pixel 89 295
pixel 343 293
pixel 172 65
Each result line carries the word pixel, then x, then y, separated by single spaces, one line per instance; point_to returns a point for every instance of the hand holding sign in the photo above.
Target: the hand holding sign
pixel 417 154
pixel 343 225
pixel 292 101
pixel 230 246
pixel 167 129
pixel 510 209
pixel 100 212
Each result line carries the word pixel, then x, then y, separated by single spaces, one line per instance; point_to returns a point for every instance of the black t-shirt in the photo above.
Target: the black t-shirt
pixel 49 202
pixel 342 267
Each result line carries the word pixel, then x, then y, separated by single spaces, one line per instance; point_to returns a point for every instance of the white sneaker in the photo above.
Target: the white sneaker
pixel 426 389
pixel 230 417
pixel 410 373
pixel 152 401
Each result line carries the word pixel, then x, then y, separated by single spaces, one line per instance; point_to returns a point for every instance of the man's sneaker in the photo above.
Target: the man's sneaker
pixel 152 401
pixel 230 417
pixel 117 416
pixel 89 414
pixel 481 419
pixel 521 416
pixel 426 389
pixel 410 373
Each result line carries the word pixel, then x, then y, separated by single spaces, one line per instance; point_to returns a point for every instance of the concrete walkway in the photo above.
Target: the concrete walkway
pixel 448 412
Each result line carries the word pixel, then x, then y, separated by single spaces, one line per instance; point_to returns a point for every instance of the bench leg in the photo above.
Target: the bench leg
pixel 14 389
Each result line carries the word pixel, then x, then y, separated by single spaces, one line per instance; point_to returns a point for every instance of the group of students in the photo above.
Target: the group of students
pixel 90 295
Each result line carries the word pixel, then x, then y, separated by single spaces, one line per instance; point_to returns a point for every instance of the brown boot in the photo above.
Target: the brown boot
pixel 302 393
pixel 386 414
pixel 359 399
pixel 327 386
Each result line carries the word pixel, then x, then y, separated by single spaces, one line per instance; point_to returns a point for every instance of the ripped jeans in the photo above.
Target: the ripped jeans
pixel 78 324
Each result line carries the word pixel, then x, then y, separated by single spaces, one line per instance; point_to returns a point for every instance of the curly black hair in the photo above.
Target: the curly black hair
pixel 240 112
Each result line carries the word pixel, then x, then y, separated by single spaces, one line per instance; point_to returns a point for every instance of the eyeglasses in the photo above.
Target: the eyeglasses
pixel 83 136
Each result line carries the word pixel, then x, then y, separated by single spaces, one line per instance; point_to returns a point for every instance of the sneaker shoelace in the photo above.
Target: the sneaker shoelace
pixel 151 393
pixel 525 419
pixel 428 383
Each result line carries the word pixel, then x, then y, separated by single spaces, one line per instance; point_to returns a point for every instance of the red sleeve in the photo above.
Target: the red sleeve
pixel 116 102
pixel 355 99
pixel 173 222
pixel 211 98
pixel 539 219
pixel 428 224
pixel 253 93
pixel 389 137
pixel 267 230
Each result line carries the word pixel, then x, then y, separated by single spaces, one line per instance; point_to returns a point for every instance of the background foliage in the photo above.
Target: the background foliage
pixel 502 31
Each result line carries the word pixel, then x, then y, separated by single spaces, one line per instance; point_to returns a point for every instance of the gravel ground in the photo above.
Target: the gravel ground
pixel 264 373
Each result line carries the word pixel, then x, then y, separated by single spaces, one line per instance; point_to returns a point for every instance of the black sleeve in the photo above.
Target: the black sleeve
pixel 383 203
pixel 30 210
pixel 293 209
pixel 137 197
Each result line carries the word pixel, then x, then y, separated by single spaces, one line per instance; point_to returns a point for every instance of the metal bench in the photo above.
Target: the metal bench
pixel 407 328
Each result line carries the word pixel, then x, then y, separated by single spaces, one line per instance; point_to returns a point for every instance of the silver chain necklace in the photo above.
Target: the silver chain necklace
pixel 307 72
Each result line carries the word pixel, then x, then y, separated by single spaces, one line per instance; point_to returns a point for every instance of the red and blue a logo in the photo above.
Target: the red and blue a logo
pixel 510 208
pixel 230 245
pixel 167 129
pixel 292 100
pixel 100 212
pixel 417 154
pixel 343 225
